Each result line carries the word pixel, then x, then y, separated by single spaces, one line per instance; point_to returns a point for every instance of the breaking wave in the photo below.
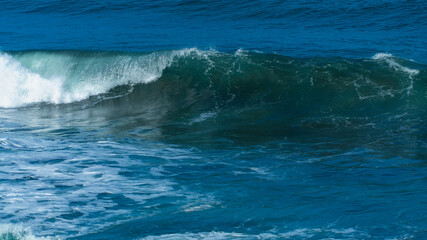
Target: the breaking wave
pixel 68 76
pixel 199 84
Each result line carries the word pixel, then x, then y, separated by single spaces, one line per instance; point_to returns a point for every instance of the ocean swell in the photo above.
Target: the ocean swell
pixel 243 78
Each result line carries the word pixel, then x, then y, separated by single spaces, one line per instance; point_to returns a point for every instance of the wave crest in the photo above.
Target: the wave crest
pixel 63 77
pixel 56 77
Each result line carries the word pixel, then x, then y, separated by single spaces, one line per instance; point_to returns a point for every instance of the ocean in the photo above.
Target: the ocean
pixel 181 119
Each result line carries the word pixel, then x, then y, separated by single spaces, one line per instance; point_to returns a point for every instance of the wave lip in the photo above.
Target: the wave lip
pixel 19 86
pixel 37 76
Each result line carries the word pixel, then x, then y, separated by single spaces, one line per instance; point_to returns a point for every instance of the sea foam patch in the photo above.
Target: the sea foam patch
pixel 300 233
pixel 57 194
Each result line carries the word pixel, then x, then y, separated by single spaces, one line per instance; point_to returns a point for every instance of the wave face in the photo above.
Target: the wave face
pixel 209 93
pixel 69 76
pixel 213 80
pixel 170 144
pixel 241 93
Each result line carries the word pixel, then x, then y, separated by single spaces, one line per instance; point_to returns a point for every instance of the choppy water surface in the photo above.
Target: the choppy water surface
pixel 212 120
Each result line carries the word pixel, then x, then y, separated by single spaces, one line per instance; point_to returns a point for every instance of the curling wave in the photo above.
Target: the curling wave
pixel 245 78
pixel 68 76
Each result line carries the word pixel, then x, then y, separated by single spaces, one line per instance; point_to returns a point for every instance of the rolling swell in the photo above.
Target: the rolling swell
pixel 243 91
pixel 165 123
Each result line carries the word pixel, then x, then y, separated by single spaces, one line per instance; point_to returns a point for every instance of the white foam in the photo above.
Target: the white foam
pixel 203 235
pixel 39 190
pixel 381 56
pixel 18 232
pixel 53 78
pixel 241 52
pixel 198 208
pixel 300 233
pixel 392 63
pixel 19 86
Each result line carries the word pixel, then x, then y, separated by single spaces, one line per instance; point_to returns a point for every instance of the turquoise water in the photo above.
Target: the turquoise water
pixel 174 120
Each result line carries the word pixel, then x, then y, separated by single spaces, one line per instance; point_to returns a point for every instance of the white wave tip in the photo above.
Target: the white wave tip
pixel 382 56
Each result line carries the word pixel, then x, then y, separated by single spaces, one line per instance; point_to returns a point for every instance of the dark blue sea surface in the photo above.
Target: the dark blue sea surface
pixel 213 119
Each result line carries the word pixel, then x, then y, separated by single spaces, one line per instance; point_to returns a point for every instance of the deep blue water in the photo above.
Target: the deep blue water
pixel 213 119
